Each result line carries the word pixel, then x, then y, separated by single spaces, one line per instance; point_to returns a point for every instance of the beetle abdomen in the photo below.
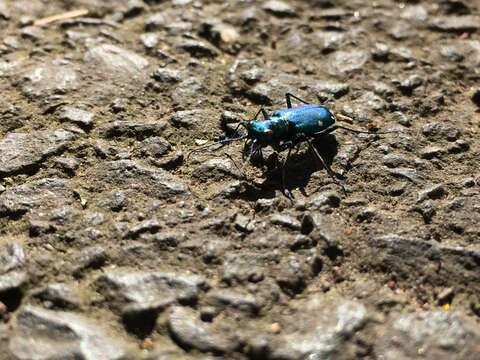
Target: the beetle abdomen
pixel 308 119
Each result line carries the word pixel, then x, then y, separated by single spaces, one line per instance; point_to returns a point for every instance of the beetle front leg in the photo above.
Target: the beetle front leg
pixel 263 112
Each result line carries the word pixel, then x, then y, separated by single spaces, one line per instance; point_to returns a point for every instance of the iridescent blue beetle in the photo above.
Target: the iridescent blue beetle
pixel 286 128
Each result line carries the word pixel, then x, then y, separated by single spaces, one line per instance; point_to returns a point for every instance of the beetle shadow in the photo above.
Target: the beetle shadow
pixel 298 170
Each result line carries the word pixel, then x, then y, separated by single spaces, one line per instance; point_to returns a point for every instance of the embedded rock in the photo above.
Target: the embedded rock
pixel 48 335
pixel 21 152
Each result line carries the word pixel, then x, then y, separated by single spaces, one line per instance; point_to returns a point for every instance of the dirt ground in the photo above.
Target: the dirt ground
pixel 116 245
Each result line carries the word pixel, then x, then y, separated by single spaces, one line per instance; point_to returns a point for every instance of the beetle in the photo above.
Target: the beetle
pixel 286 128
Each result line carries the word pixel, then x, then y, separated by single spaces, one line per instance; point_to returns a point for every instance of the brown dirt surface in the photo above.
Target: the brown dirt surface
pixel 115 244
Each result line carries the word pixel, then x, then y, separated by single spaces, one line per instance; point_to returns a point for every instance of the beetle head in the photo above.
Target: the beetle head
pixel 260 131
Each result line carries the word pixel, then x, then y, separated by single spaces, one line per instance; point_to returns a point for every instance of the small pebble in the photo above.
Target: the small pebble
pixel 147 344
pixel 275 328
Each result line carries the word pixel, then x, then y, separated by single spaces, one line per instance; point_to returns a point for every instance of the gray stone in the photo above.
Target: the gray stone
pixel 198 49
pixel 326 199
pixel 45 193
pixel 410 258
pixel 233 299
pixel 166 75
pixel 401 118
pixel 59 295
pixel 48 335
pixel 456 24
pixel 32 33
pixel 285 221
pixel 279 8
pixel 426 335
pixel 49 78
pixel 165 241
pixel 191 118
pixel 320 330
pixel 149 40
pixel 151 226
pixel 245 267
pixel 216 169
pixel 394 160
pixel 331 40
pixel 134 292
pixel 414 12
pixel 190 332
pixel 401 30
pixel 12 258
pixel 116 200
pixel 347 155
pixel 189 93
pixel 426 209
pixel 114 60
pixel 336 89
pixel 12 273
pixel 20 152
pixel 381 89
pixel 155 146
pixel 452 53
pixel 222 35
pixel 410 83
pixel 431 152
pixel 458 147
pixel 12 280
pixel 344 62
pixel 133 129
pixel 92 257
pixel 407 173
pixel 244 223
pixel 170 161
pixel 439 131
pixel 80 117
pixel 5 11
pixel 334 13
pixel 155 21
pixel 366 105
pixel 291 275
pixel 152 182
pixel 67 164
pixel 436 191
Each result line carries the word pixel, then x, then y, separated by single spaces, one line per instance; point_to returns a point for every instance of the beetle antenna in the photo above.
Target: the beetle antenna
pixel 221 143
pixel 365 131
pixel 241 123
pixel 350 121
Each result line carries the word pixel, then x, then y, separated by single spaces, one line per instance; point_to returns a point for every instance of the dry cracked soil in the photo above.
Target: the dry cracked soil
pixel 114 244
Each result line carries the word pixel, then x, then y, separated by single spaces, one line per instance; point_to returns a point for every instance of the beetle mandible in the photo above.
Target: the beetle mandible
pixel 288 127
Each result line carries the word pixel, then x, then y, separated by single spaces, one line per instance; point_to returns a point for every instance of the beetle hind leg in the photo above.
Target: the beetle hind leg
pixel 327 167
pixel 286 192
pixel 288 97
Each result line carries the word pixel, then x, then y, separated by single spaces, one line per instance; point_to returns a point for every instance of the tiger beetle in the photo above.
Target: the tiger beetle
pixel 286 128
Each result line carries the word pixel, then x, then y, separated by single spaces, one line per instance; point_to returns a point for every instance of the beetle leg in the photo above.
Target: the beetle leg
pixel 288 97
pixel 263 112
pixel 286 192
pixel 326 166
